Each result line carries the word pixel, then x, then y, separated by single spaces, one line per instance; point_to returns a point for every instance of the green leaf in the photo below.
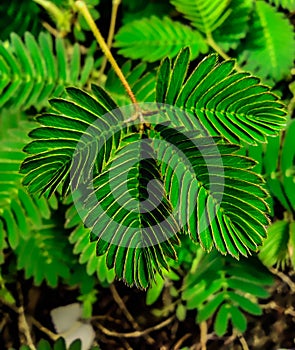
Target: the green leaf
pixel 43 345
pixel 20 212
pixel 135 238
pixel 275 248
pixel 205 15
pixel 19 17
pixel 247 287
pixel 141 81
pixel 222 102
pixel 80 238
pixel 210 307
pixel 32 73
pixel 60 344
pixel 5 294
pixel 292 242
pixel 151 39
pixel 245 303
pixel 288 164
pixel 147 9
pixel 235 27
pixel 223 288
pixel 270 35
pixel 3 243
pixel 239 320
pixel 45 255
pixel 181 312
pixel 209 217
pixel 286 4
pixel 278 162
pixel 155 290
pixel 221 321
pixel 51 155
pixel 123 173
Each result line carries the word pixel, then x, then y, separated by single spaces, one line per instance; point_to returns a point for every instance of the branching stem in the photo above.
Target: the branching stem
pixel 136 334
pixel 45 330
pixel 126 312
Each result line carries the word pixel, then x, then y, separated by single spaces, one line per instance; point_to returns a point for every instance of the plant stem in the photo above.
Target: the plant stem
pixel 45 330
pixel 81 6
pixel 128 315
pixel 135 334
pixel 204 332
pixel 115 6
pixel 22 320
pixel 243 342
pixel 211 42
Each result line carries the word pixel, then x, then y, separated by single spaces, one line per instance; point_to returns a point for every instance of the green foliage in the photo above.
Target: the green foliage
pixel 67 20
pixel 32 73
pixel 156 194
pixel 205 15
pixel 224 102
pixel 58 345
pixel 81 28
pixel 275 248
pixel 151 39
pixel 45 254
pixel 147 9
pixel 86 250
pixel 5 294
pixel 278 162
pixel 56 142
pixel 286 4
pixel 225 289
pixel 235 27
pixel 135 249
pixel 19 17
pixel 20 212
pixel 215 222
pixel 12 195
pixel 271 36
pixel 141 81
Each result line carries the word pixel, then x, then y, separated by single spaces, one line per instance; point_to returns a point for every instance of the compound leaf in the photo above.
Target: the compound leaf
pixel 205 15
pixel 151 39
pixel 32 73
pixel 270 35
pixel 222 102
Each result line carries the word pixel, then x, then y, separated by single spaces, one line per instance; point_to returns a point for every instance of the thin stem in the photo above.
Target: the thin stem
pixel 284 278
pixel 126 312
pixel 211 42
pixel 45 330
pixel 22 321
pixel 81 6
pixel 136 334
pixel 243 342
pixel 204 332
pixel 179 343
pixel 116 4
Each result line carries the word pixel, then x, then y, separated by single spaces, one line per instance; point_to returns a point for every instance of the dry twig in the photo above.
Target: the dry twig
pixel 22 321
pixel 128 315
pixel 135 334
pixel 284 278
pixel 204 331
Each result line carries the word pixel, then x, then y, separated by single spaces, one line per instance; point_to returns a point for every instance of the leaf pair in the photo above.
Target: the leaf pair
pixel 139 189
